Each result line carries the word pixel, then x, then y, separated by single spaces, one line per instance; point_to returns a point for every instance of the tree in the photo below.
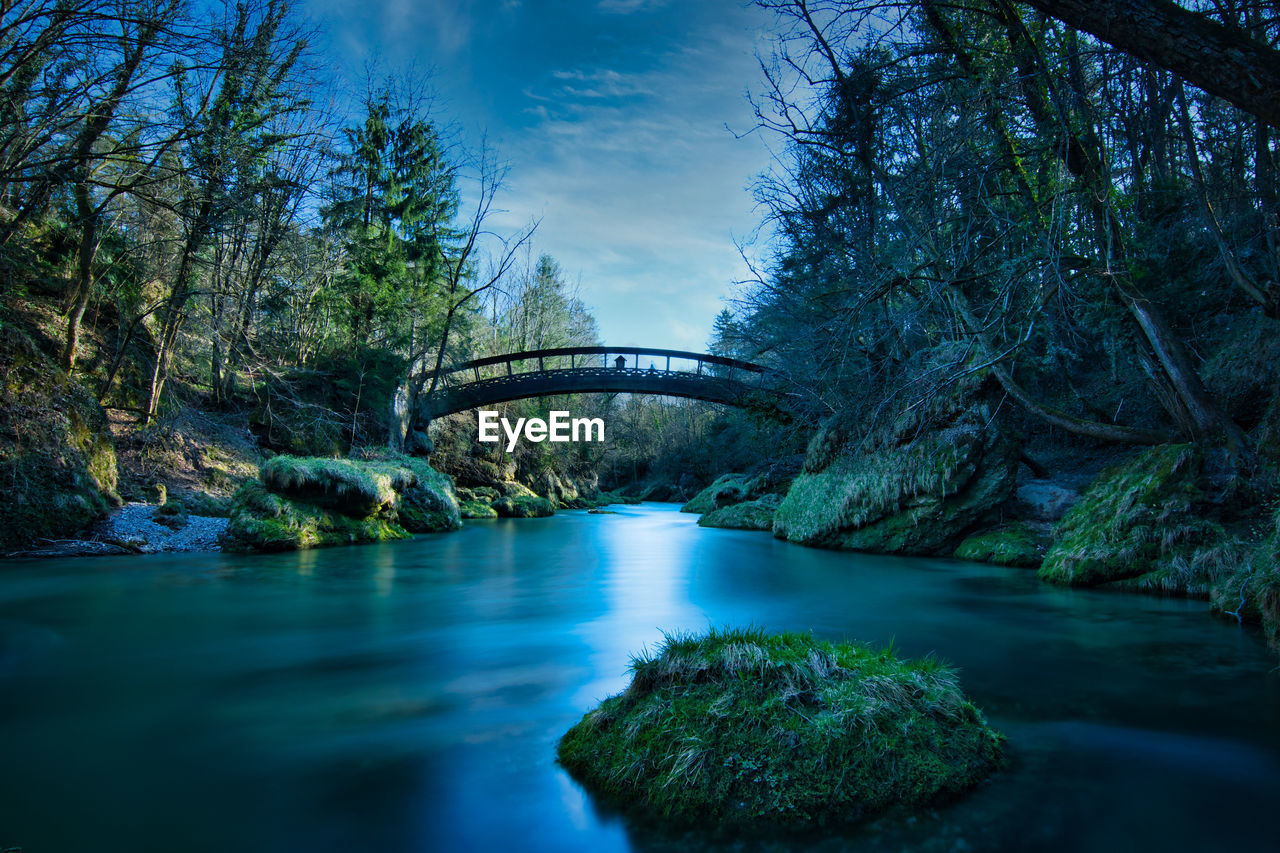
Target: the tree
pixel 222 159
pixel 1223 60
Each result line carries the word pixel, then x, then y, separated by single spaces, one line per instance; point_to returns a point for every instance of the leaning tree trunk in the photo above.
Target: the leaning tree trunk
pixel 1223 61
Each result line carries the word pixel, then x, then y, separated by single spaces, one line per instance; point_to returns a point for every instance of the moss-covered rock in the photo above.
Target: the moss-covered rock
pixel 213 506
pixel 1141 522
pixel 1017 544
pixel 57 461
pixel 429 503
pixel 728 489
pixel 352 487
pixel 748 515
pixel 742 728
pixel 264 521
pixel 512 489
pixel 913 491
pixel 524 507
pixel 172 514
pixel 477 509
pixel 1251 592
pixel 309 502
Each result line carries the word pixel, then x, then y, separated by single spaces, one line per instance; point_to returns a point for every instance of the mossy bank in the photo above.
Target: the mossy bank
pixel 57 461
pixel 739 728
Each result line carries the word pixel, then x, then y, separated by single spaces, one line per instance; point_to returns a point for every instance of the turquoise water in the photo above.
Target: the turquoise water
pixel 408 697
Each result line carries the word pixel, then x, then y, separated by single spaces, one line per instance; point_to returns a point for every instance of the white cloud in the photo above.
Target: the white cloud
pixel 641 188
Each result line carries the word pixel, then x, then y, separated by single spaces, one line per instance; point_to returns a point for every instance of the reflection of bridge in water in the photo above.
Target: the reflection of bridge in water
pixel 581 370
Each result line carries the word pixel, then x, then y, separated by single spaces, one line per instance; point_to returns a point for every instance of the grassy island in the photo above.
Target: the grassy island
pixel 742 728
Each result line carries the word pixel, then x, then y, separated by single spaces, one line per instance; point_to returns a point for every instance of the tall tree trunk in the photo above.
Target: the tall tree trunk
pixel 82 291
pixel 173 316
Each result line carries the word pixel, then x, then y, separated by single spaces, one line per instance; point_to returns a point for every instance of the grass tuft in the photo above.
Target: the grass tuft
pixel 742 727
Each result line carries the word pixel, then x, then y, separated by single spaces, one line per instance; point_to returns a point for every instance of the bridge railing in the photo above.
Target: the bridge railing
pixel 572 358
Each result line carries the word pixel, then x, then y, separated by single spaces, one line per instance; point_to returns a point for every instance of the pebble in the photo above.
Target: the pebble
pixel 133 523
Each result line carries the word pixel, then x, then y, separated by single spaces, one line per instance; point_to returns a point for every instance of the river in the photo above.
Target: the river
pixel 408 697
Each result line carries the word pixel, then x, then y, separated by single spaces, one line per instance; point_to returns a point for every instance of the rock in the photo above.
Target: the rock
pixel 1018 544
pixel 263 521
pixel 523 507
pixel 511 489
pixel 748 515
pixel 429 504
pixel 1142 522
pixel 309 502
pixel 727 490
pixel 477 509
pixel 915 491
pixel 354 488
pixel 1042 500
pixel 746 729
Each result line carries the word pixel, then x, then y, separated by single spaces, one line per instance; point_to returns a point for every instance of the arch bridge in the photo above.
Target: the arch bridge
pixel 579 370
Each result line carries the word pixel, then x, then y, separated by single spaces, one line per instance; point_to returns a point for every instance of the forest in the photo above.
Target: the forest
pixel 1017 280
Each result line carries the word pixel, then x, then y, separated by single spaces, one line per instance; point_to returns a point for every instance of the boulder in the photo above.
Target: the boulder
pixel 523 507
pixel 914 491
pixel 1042 500
pixel 1020 544
pixel 739 728
pixel 748 515
pixel 1143 522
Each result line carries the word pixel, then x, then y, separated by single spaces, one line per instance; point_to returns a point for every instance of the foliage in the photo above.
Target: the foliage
pixel 741 727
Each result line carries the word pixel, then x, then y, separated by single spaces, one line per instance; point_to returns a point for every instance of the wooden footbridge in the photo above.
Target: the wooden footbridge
pixel 579 370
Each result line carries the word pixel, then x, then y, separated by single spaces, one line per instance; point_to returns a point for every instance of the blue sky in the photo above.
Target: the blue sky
pixel 612 115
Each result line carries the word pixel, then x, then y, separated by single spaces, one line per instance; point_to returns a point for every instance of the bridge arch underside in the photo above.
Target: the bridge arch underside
pixel 503 389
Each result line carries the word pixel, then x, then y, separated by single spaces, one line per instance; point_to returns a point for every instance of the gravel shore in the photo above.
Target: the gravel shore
pixel 134 525
pixel 133 530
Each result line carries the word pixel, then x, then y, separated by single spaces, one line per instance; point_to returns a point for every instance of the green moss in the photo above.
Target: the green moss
pixel 172 513
pixel 1010 545
pixel 749 515
pixel 911 498
pixel 200 503
pixel 741 728
pixel 263 521
pixel 428 504
pixel 1138 519
pixel 57 462
pixel 1251 593
pixel 726 490
pixel 477 509
pixel 357 488
pixel 524 507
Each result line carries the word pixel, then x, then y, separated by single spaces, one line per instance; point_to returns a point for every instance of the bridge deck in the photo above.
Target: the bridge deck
pixel 561 371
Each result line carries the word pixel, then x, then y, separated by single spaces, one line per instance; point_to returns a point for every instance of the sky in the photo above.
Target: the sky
pixel 619 120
